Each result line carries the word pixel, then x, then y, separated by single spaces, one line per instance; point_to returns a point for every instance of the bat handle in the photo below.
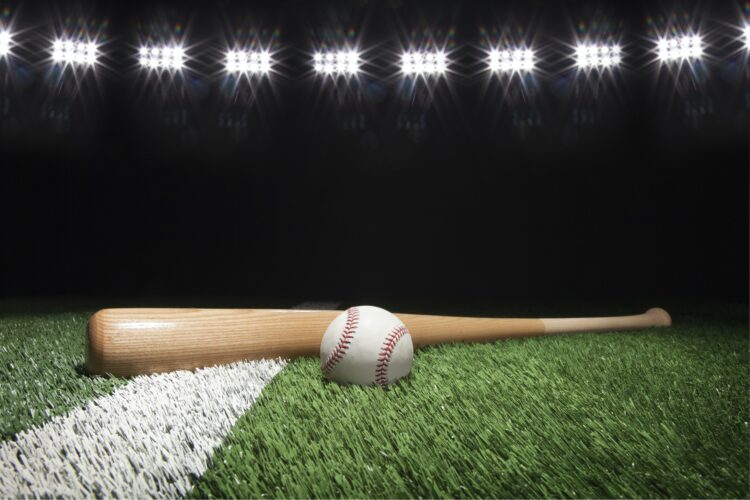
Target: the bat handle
pixel 655 316
pixel 427 330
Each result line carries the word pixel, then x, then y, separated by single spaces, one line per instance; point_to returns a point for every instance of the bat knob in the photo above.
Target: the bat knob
pixel 662 317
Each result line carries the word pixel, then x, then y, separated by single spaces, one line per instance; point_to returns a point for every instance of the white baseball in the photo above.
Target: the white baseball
pixel 366 345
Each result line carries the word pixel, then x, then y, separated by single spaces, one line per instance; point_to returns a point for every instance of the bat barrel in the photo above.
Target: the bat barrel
pixel 136 341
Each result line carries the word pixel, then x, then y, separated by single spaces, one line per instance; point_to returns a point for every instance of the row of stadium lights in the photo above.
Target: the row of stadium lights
pixel 79 52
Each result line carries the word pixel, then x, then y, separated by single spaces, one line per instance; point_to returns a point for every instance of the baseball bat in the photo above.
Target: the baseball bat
pixel 128 342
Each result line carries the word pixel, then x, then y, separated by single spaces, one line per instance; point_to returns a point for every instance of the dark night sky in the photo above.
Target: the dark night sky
pixel 117 184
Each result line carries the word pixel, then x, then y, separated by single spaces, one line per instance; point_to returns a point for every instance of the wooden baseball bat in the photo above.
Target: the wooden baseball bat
pixel 136 341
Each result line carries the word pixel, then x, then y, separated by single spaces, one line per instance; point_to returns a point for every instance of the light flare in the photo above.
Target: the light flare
pixel 680 48
pixel 598 56
pixel 6 39
pixel 342 62
pixel 75 52
pixel 162 57
pixel 511 60
pixel 424 63
pixel 248 62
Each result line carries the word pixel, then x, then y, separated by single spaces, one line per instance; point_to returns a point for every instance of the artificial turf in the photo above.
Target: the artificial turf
pixel 41 368
pixel 652 413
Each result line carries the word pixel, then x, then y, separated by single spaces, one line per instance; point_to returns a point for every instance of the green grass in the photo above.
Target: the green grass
pixel 654 413
pixel 43 351
pixel 41 357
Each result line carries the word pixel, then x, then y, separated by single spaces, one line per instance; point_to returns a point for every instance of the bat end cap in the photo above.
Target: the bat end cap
pixel 662 317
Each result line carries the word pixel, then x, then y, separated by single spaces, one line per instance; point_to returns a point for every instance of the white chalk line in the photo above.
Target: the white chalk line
pixel 144 440
pixel 147 439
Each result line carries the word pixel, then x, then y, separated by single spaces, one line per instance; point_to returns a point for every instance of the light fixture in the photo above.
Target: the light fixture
pixel 342 62
pixel 424 63
pixel 5 42
pixel 162 57
pixel 680 48
pixel 75 52
pixel 511 60
pixel 598 56
pixel 248 62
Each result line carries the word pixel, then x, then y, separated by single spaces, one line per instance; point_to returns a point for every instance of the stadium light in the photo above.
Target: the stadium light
pixel 342 62
pixel 511 61
pixel 746 32
pixel 424 63
pixel 75 52
pixel 680 48
pixel 5 42
pixel 248 62
pixel 598 56
pixel 162 57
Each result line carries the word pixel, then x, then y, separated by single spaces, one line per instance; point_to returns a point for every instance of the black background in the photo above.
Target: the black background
pixel 122 184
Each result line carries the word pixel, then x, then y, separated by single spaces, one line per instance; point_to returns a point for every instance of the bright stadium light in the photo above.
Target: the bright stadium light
pixel 5 42
pixel 511 61
pixel 680 48
pixel 342 62
pixel 248 62
pixel 75 52
pixel 424 63
pixel 162 57
pixel 598 56
pixel 746 33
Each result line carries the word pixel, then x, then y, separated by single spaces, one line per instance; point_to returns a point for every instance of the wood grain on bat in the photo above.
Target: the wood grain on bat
pixel 136 341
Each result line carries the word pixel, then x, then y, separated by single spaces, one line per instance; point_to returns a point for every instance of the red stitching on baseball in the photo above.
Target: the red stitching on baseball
pixel 386 351
pixel 352 321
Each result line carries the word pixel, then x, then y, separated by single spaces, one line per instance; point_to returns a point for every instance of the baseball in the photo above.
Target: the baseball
pixel 366 345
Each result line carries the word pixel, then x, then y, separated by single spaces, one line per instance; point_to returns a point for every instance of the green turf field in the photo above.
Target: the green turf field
pixel 653 413
pixel 41 368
